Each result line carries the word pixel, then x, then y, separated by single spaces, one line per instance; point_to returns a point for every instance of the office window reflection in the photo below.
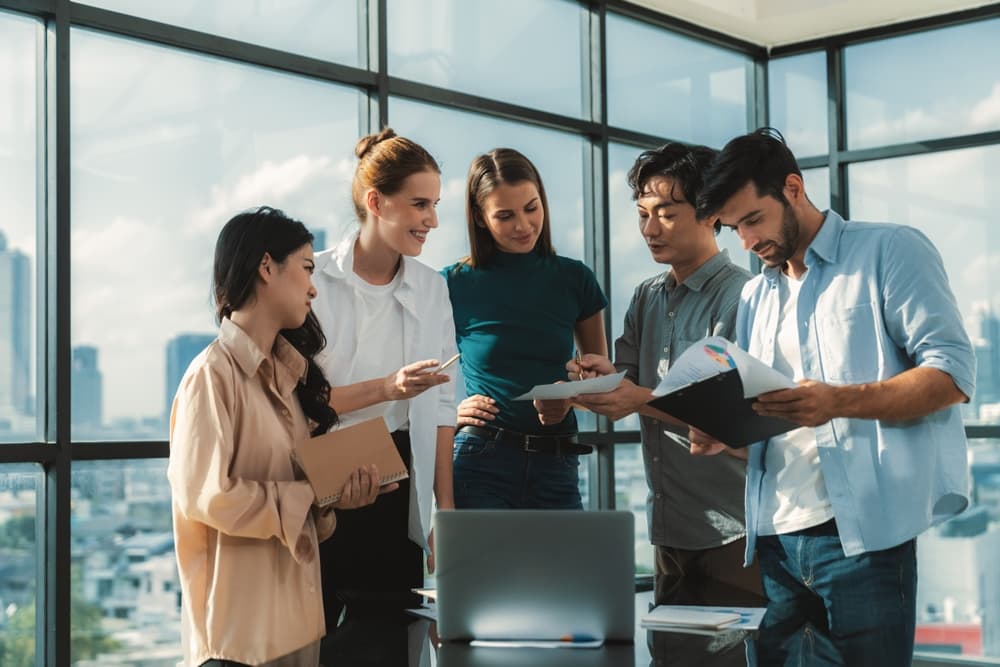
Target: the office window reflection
pixel 520 51
pixel 18 256
pixel 167 146
pixel 631 492
pixel 19 555
pixel 951 198
pixel 959 90
pixel 672 86
pixel 324 29
pixel 797 101
pixel 125 589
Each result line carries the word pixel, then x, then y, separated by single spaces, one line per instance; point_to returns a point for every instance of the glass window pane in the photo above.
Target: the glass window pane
pixel 631 262
pixel 20 551
pixel 125 595
pixel 167 146
pixel 958 89
pixel 631 491
pixel 325 29
pixel 953 199
pixel 18 165
pixel 446 134
pixel 958 582
pixel 797 95
pixel 672 86
pixel 818 186
pixel 520 51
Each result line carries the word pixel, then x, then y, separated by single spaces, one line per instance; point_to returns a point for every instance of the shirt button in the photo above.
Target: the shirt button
pixel 656 459
pixel 658 496
pixel 284 412
pixel 666 349
pixel 670 314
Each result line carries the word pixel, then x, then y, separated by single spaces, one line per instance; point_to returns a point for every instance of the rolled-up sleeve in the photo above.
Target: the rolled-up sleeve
pixel 627 345
pixel 201 455
pixel 920 311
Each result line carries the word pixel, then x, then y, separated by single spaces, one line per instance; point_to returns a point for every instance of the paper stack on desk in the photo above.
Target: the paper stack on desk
pixel 702 619
pixel 669 616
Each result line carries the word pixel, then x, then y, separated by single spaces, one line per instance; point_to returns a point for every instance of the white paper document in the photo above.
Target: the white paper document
pixel 714 355
pixel 705 618
pixel 571 389
pixel 538 643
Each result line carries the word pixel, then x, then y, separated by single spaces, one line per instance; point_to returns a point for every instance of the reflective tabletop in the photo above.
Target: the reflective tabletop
pixel 380 636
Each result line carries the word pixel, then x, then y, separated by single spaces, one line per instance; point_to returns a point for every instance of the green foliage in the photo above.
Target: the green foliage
pixel 87 638
pixel 18 533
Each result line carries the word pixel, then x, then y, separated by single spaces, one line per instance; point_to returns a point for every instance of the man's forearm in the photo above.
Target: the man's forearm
pixel 912 394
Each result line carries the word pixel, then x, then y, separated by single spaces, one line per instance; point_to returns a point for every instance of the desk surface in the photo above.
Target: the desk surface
pixel 399 639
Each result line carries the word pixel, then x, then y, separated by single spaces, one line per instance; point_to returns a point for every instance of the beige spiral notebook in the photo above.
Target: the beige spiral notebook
pixel 329 459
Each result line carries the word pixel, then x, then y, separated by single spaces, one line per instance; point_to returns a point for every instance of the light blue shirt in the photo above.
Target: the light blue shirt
pixel 874 302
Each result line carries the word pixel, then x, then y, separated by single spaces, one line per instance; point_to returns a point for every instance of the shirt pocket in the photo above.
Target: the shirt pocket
pixel 849 344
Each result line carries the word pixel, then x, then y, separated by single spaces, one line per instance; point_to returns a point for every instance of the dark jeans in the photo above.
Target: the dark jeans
pixel 821 602
pixel 496 475
pixel 370 561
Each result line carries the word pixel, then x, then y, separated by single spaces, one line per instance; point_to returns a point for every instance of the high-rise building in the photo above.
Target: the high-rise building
pixel 87 387
pixel 15 331
pixel 181 350
pixel 319 239
pixel 984 330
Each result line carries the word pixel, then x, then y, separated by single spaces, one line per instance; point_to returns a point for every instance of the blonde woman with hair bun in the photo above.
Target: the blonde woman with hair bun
pixel 389 326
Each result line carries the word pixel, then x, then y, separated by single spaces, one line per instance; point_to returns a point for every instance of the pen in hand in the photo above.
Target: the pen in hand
pixel 579 365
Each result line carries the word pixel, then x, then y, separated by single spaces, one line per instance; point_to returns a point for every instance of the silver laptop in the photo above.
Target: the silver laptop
pixel 535 574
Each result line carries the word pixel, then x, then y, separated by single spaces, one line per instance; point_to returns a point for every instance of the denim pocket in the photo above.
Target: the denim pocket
pixel 467 444
pixel 570 461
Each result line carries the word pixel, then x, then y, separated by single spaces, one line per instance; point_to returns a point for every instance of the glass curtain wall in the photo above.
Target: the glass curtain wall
pixel 130 131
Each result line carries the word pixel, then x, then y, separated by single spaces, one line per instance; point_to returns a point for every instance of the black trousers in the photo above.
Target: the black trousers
pixel 369 563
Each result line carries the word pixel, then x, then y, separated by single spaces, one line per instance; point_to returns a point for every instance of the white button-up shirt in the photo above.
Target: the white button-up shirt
pixel 428 333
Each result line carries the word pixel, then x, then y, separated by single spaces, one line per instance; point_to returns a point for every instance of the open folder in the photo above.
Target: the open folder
pixel 712 387
pixel 329 459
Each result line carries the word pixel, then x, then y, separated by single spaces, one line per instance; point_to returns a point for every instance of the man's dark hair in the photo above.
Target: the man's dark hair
pixel 684 164
pixel 761 158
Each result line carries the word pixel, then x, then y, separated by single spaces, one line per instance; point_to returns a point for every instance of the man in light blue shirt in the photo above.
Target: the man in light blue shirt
pixel 862 316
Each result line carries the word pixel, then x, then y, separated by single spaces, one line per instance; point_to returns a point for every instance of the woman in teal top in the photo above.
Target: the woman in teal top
pixel 518 308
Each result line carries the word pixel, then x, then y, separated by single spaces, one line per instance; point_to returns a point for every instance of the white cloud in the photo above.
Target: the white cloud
pixel 271 183
pixel 985 115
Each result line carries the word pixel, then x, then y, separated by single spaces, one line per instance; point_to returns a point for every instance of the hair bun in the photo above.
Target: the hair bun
pixel 365 144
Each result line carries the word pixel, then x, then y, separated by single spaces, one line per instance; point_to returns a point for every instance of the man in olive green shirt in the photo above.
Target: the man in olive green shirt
pixel 695 504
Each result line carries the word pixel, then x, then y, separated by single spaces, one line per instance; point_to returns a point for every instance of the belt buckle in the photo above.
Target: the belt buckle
pixel 528 447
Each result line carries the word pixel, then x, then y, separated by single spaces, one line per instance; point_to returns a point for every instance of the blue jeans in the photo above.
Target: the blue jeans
pixel 494 475
pixel 822 603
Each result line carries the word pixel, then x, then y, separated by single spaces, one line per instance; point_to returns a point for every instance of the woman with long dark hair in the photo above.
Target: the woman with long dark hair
pixel 246 527
pixel 518 309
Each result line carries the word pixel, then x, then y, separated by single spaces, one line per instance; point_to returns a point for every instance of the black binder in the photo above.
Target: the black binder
pixel 716 406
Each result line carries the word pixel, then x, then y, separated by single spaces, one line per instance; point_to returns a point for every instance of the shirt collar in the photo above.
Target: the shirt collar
pixel 341 263
pixel 824 247
pixel 291 365
pixel 696 281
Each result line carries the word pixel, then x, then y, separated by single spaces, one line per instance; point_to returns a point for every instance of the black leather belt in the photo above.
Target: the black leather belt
pixel 560 445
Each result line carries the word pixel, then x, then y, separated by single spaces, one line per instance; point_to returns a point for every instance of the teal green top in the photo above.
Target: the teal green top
pixel 514 323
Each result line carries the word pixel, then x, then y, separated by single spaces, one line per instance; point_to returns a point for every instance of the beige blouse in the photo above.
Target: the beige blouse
pixel 245 529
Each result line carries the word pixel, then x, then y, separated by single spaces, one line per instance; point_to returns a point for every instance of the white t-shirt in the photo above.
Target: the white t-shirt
pixel 379 323
pixel 793 495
